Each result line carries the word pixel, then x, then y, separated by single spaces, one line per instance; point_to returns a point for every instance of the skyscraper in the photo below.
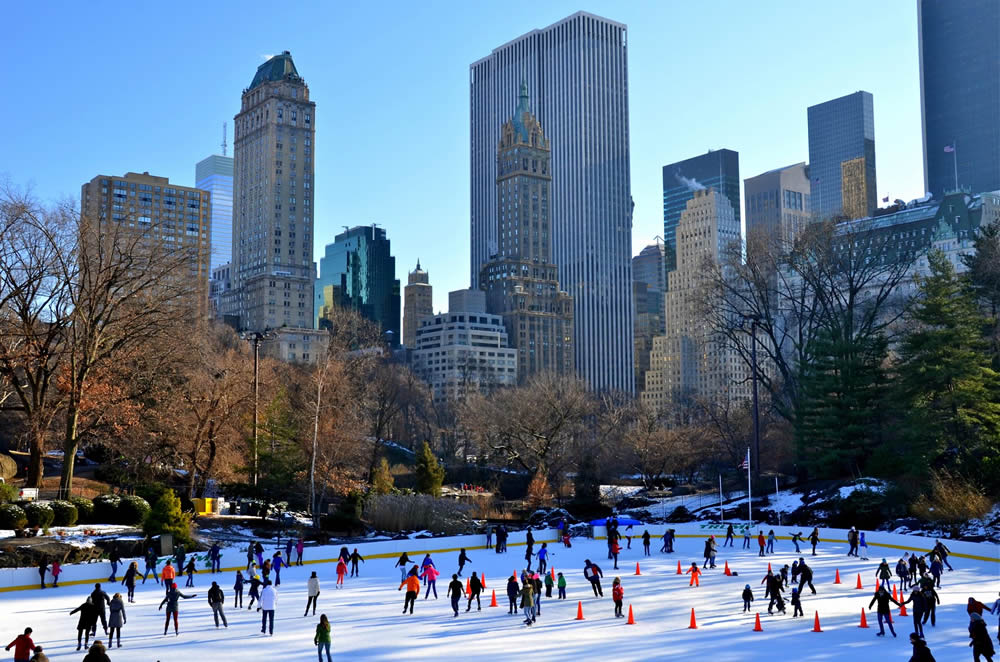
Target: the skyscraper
pixel 719 169
pixel 648 285
pixel 418 302
pixel 841 131
pixel 272 266
pixel 691 360
pixel 521 282
pixel 358 271
pixel 960 94
pixel 215 175
pixel 577 70
pixel 777 202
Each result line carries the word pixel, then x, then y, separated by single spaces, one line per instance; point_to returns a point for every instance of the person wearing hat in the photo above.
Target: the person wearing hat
pixel 980 636
pixel 747 597
pixel 883 599
pixel 920 651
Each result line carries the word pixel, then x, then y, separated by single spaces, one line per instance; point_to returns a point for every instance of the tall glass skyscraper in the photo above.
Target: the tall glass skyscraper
pixel 215 175
pixel 960 94
pixel 718 170
pixel 577 70
pixel 842 156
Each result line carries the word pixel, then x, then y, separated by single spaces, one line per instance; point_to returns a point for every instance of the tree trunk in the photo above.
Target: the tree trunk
pixel 70 444
pixel 35 466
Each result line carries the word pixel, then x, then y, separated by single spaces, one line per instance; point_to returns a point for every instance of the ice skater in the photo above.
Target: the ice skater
pixel 593 574
pixel 645 543
pixel 883 599
pixel 430 575
pixel 217 600
pixel 814 539
pixel 805 576
pixel 463 558
pixel 86 622
pixel 618 596
pixel 254 592
pixel 980 636
pixel 322 638
pixel 561 585
pixel 455 593
pixel 355 557
pixel 747 598
pixel 22 645
pixel 528 603
pixel 116 620
pixel 513 591
pixel 268 602
pixel 129 581
pixel 543 557
pixel 730 536
pixel 796 602
pixel 412 584
pixel 238 590
pixel 189 571
pixel 403 563
pixel 171 600
pixel 695 573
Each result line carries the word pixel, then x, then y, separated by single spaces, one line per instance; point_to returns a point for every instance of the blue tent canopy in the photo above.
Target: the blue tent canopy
pixel 622 521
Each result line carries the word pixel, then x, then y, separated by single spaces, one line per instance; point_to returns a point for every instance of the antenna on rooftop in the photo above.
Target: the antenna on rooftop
pixel 224 134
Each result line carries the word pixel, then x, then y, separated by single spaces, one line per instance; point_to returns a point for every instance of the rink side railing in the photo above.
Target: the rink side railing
pixel 234 558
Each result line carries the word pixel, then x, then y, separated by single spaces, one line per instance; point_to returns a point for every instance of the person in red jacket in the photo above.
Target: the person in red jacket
pixel 761 542
pixel 615 551
pixel 341 571
pixel 618 595
pixel 22 646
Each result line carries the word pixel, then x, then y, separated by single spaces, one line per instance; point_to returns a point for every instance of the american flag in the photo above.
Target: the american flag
pixel 746 461
pixel 949 148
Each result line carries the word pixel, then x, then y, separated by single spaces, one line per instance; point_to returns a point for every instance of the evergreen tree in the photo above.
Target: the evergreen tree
pixel 946 380
pixel 983 266
pixel 166 516
pixel 430 473
pixel 382 480
pixel 587 482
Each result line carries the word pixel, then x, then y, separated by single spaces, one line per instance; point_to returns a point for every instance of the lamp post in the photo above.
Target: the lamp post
pixel 255 337
pixel 754 319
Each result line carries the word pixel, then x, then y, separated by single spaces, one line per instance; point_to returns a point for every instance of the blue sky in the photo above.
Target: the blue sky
pixel 105 88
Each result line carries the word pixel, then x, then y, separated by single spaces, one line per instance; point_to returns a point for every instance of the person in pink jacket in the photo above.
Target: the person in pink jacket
pixel 430 576
pixel 299 547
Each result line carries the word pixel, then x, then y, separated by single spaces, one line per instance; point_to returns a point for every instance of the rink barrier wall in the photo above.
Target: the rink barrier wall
pixel 234 558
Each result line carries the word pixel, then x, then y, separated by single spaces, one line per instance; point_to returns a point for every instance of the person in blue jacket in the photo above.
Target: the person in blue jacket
pixel 238 591
pixel 215 554
pixel 543 558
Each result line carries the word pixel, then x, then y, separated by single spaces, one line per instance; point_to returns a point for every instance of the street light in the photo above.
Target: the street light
pixel 256 337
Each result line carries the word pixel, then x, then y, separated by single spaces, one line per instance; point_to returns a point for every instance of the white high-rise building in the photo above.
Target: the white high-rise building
pixel 215 175
pixel 578 72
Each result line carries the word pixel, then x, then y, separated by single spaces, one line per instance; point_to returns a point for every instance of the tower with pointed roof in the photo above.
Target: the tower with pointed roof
pixel 272 262
pixel 417 304
pixel 521 280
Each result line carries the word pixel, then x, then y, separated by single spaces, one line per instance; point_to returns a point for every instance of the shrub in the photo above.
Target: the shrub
pixel 132 510
pixel 166 516
pixel 12 517
pixel 106 509
pixel 8 493
pixel 39 514
pixel 84 509
pixel 382 480
pixel 402 512
pixel 65 513
pixel 539 492
pixel 430 473
pixel 866 509
pixel 950 500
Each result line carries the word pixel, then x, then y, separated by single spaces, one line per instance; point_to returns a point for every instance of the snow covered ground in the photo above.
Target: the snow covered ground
pixel 368 625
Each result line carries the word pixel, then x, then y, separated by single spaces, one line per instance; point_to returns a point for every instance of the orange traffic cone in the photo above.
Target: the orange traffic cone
pixel 902 608
pixel 859 586
pixel 756 625
pixel 468 586
pixel 637 568
pixel 679 571
pixel 816 627
pixel 579 610
pixel 864 620
pixel 631 620
pixel 493 600
pixel 552 572
pixel 769 566
pixel 894 595
pixel 837 579
pixel 694 623
pixel 482 580
pixel 728 571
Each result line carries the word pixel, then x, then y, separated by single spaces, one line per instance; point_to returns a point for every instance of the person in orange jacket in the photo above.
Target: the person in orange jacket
pixel 695 572
pixel 412 584
pixel 168 575
pixel 341 571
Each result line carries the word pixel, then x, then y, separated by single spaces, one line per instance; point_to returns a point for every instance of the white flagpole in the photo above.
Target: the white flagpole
pixel 722 513
pixel 749 507
pixel 776 498
pixel 954 155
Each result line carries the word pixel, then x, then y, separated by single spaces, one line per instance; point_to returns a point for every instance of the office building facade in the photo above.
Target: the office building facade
pixel 215 175
pixel 358 271
pixel 418 302
pixel 577 70
pixel 648 287
pixel 840 131
pixel 521 282
pixel 272 262
pixel 778 202
pixel 960 94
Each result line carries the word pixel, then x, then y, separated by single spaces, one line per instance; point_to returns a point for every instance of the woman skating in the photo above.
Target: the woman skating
pixel 430 575
pixel 116 619
pixel 87 621
pixel 312 594
pixel 238 590
pixel 129 581
pixel 255 585
pixel 172 600
pixel 322 638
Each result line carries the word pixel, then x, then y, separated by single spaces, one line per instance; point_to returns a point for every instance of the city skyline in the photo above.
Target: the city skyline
pixel 426 116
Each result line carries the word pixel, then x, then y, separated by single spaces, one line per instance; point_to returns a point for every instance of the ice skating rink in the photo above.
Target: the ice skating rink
pixel 367 623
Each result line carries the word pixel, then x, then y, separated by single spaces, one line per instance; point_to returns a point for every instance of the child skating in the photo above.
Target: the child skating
pixel 695 573
pixel 618 595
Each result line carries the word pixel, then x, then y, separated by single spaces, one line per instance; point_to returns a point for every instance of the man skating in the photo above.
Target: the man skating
pixel 455 592
pixel 216 600
pixel 883 599
pixel 268 601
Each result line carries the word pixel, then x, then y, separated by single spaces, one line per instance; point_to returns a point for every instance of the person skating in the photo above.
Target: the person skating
pixel 180 554
pixel 258 551
pixel 543 558
pixel 981 643
pixel 22 645
pixel 747 598
pixel 97 653
pixel 883 599
pixel 628 536
pixel 428 561
pixel 215 556
pixel 975 607
pixel 250 556
pixel 796 539
pixel 116 620
pixel 795 571
pixel 528 603
pixel 268 602
pixel 128 581
pixel 100 599
pixel 730 536
pixel 217 600
pixel 549 583
pixel 814 539
pixel 773 589
pixel 238 590
pixel 593 574
pixel 616 550
pixel 918 610
pixel 288 550
pixel 883 574
pixel 937 569
pixel 796 602
pixel 151 560
pixel 39 656
pixel 322 638
pixel 255 584
pixel 805 576
pixel 942 553
pixel 489 536
pixel 920 651
pixel 645 543
pixel 711 548
pixel 277 563
pixel 903 572
pixel 430 575
pixel 618 596
pixel 341 573
pixel 770 541
pixel 513 591
pixel 86 622
pixel 529 539
pixel 536 589
pixel 300 546
pixel 168 574
pixel 43 567
pixel 995 609
pixel 783 575
pixel 403 562
pixel 561 585
pixel 932 599
pixel 863 546
pixel 189 571
pixel 412 584
pixel 663 548
pixel 56 570
pixel 115 559
pixel 463 558
pixel 761 543
pixel 852 542
pixel 171 600
pixel 695 572
pixel 527 557
pixel 455 592
pixel 355 557
pixel 312 593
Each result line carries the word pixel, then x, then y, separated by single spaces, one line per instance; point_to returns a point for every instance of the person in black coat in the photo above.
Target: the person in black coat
pixel 645 543
pixel 87 622
pixel 918 610
pixel 774 590
pixel 883 599
pixel 100 599
pixel 814 540
pixel 129 580
pixel 475 588
pixel 981 643
pixel 43 567
pixel 513 591
pixel 593 574
pixel 805 577
pixel 238 591
pixel 730 533
pixel 355 558
pixel 931 600
pixel 455 592
pixel 463 558
pixel 920 651
pixel 747 597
